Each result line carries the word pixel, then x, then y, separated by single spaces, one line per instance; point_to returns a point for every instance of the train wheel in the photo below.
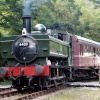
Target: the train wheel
pixel 17 85
pixel 19 89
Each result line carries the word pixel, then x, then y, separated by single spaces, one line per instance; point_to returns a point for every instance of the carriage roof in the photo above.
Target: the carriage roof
pixel 82 39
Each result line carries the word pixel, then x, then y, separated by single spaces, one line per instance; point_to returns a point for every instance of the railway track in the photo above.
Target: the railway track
pixel 5 89
pixel 12 94
pixel 40 93
pixel 7 92
pixel 15 95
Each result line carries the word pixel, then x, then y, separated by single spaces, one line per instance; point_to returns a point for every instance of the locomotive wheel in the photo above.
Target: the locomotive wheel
pixel 17 85
pixel 19 89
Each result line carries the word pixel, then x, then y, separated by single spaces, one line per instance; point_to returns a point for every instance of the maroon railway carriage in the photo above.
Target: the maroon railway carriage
pixel 86 56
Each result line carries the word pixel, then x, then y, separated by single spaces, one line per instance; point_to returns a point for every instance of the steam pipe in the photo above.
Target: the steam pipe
pixel 27 14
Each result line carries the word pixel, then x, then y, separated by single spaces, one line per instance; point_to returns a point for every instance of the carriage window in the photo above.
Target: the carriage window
pixel 90 49
pixel 98 51
pixel 86 48
pixel 81 49
pixel 94 50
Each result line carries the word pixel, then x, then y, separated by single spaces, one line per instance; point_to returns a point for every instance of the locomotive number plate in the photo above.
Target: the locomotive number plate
pixel 23 44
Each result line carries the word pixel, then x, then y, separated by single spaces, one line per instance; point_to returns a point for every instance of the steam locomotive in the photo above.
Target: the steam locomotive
pixel 45 58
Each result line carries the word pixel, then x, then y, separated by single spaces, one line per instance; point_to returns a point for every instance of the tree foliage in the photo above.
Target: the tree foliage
pixel 90 19
pixel 81 17
pixel 10 16
pixel 58 12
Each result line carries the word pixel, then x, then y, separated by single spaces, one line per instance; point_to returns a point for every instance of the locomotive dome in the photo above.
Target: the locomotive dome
pixel 40 27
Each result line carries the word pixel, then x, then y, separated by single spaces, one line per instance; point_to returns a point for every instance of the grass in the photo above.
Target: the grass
pixel 5 81
pixel 77 94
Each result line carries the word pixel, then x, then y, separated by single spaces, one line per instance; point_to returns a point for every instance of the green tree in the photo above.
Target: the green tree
pixel 81 17
pixel 10 16
pixel 89 19
pixel 63 12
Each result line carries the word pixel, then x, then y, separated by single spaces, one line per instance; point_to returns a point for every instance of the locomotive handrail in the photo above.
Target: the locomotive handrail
pixel 12 71
pixel 58 55
pixel 15 67
pixel 20 74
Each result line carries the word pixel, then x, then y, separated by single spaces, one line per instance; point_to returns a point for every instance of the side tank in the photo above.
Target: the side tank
pixel 47 46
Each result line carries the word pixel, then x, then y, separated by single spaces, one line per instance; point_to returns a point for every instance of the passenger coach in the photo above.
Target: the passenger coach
pixel 86 56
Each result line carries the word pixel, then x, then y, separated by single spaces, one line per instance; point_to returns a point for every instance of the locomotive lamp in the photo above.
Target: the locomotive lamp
pixel 39 69
pixel 3 71
pixel 24 32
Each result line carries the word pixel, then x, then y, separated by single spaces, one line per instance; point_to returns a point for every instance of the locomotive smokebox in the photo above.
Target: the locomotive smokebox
pixel 27 13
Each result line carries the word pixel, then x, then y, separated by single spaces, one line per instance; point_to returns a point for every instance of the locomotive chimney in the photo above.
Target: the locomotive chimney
pixel 27 14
